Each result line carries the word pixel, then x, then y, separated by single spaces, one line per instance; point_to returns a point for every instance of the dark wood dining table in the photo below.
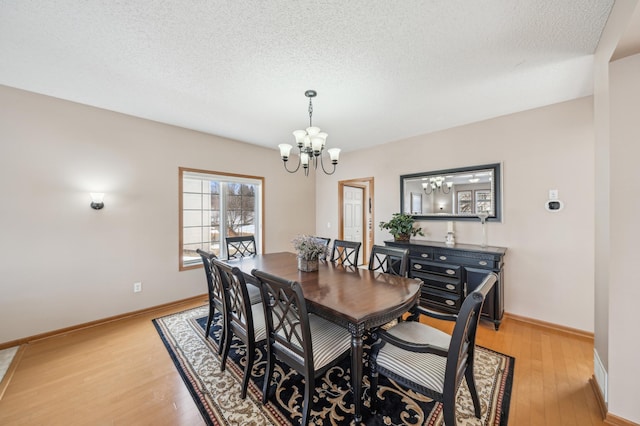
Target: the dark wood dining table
pixel 355 298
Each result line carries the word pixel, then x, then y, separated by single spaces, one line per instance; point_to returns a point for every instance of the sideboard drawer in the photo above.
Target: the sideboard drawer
pixel 479 261
pixel 447 300
pixel 439 282
pixel 452 271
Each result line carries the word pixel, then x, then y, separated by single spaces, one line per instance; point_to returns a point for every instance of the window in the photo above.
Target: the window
pixel 213 206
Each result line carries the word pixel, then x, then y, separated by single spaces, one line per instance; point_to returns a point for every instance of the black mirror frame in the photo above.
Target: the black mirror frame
pixel 495 167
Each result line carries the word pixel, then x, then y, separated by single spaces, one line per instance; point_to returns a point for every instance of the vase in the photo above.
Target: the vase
pixel 402 237
pixel 307 265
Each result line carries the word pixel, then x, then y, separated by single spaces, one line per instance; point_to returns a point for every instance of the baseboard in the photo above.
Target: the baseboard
pixel 613 420
pixel 12 369
pixel 90 324
pixel 602 405
pixel 551 326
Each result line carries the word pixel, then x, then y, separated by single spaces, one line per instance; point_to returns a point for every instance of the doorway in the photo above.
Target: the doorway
pixel 355 218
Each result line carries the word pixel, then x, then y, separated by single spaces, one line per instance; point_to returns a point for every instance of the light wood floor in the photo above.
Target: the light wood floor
pixel 120 374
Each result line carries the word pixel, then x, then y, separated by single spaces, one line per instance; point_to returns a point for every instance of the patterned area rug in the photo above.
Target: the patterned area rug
pixel 217 393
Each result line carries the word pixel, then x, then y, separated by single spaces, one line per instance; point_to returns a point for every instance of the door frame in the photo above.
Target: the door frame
pixel 367 236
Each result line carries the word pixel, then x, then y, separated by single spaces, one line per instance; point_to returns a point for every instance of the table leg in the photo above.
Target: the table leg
pixel 356 369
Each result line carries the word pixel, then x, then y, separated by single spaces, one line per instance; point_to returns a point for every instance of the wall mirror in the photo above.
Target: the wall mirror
pixel 454 194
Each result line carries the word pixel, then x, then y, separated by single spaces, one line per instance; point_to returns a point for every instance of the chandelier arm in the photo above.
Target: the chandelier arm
pixel 296 169
pixel 324 170
pixel 446 192
pixel 425 189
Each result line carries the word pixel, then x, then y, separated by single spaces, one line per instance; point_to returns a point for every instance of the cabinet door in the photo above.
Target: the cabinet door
pixel 474 279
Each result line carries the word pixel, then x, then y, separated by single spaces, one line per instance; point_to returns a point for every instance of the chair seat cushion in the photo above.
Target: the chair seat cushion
pixel 423 369
pixel 254 294
pixel 259 323
pixel 328 342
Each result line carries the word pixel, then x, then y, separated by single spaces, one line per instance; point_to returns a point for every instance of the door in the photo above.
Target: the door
pixel 353 215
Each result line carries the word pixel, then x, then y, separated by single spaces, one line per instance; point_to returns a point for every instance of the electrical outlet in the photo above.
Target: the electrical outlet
pixel 137 287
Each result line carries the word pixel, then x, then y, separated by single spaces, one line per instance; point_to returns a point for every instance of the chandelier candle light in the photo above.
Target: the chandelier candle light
pixel 311 144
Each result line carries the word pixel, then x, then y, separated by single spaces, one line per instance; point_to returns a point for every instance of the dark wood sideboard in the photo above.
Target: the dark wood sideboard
pixel 449 273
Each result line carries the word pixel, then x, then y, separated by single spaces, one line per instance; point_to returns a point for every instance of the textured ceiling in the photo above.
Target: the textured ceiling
pixel 383 70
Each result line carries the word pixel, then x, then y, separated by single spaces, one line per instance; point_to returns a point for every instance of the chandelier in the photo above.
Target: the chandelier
pixel 437 183
pixel 311 144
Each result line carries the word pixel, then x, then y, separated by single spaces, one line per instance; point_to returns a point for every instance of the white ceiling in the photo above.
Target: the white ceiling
pixel 383 70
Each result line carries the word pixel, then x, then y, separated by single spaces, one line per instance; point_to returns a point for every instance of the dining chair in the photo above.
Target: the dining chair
pixel 390 260
pixel 345 253
pixel 244 320
pixel 428 360
pixel 216 298
pixel 243 246
pixel 327 241
pixel 305 342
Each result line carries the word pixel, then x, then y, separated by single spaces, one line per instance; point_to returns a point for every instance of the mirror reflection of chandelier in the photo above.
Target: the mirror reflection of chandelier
pixel 437 183
pixel 311 144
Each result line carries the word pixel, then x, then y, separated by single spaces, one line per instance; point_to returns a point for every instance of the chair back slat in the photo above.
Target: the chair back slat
pixel 390 260
pixel 243 246
pixel 345 253
pixel 214 282
pixel 237 302
pixel 286 314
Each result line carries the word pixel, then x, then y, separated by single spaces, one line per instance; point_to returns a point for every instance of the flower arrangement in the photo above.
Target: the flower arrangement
pixel 309 247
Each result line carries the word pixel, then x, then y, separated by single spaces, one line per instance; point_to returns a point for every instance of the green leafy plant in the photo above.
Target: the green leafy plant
pixel 401 226
pixel 309 247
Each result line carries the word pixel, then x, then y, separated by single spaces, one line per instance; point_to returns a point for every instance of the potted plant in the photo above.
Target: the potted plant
pixel 401 227
pixel 309 250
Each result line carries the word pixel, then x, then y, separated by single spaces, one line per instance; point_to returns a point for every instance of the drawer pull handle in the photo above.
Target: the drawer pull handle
pixel 450 302
pixel 450 272
pixel 443 257
pixel 417 266
pixel 424 255
pixel 451 286
pixel 483 262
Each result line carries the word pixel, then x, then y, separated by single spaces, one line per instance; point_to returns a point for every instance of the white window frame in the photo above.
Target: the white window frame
pixel 223 178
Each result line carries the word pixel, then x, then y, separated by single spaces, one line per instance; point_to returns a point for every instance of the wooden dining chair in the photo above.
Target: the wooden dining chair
pixel 390 260
pixel 345 253
pixel 305 342
pixel 428 360
pixel 215 289
pixel 244 320
pixel 243 246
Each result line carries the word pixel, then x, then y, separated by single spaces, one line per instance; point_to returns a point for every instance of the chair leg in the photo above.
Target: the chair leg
pixel 251 354
pixel 267 377
pixel 228 336
pixel 471 384
pixel 209 320
pixel 309 389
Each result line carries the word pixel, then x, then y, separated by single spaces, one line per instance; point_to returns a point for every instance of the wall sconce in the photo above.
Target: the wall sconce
pixel 97 200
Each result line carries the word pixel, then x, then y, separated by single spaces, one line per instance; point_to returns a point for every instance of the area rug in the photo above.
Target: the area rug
pixel 217 394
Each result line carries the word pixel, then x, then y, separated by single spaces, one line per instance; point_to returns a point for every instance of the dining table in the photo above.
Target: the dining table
pixel 353 297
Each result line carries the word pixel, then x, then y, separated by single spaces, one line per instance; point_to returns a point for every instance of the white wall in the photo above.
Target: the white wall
pixel 549 263
pixel 624 289
pixel 62 263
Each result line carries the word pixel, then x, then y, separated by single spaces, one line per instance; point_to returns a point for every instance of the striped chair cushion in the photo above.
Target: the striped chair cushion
pixel 328 341
pixel 254 294
pixel 421 368
pixel 259 323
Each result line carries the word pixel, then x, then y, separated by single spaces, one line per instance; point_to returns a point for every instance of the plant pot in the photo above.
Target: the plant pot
pixel 307 265
pixel 402 237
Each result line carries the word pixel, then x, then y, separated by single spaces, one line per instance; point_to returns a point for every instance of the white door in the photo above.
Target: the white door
pixel 353 216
